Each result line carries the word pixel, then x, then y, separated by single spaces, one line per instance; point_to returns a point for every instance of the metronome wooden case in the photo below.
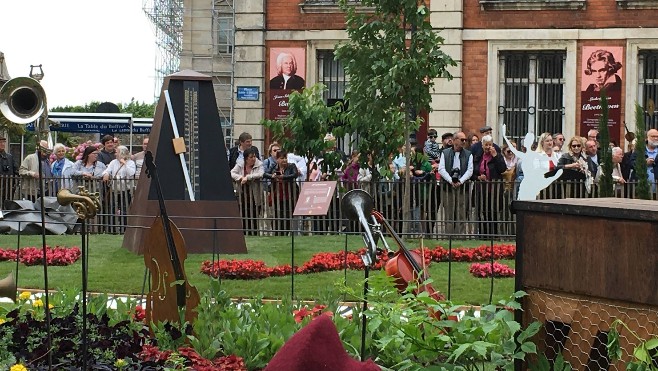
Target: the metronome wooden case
pixel 211 223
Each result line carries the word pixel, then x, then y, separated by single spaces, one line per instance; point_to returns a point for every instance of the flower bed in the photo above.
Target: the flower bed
pixel 58 255
pixel 246 336
pixel 328 261
pixel 484 270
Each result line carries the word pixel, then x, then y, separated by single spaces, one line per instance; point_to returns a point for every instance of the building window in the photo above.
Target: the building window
pixel 648 85
pixel 637 4
pixel 532 92
pixel 327 6
pixel 224 35
pixel 332 74
pixel 532 4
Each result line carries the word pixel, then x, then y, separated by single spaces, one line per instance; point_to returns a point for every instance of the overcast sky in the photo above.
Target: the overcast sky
pixel 91 50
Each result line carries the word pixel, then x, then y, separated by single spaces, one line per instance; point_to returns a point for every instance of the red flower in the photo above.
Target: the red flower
pixel 327 261
pixel 153 354
pixel 484 270
pixel 59 255
pixel 304 312
pixel 140 314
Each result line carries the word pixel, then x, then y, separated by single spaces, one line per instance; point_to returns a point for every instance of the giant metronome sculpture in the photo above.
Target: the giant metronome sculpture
pixel 188 147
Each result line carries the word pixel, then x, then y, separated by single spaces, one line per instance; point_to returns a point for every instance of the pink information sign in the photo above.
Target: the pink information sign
pixel 315 198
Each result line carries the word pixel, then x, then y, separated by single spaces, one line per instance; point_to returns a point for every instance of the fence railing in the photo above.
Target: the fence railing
pixel 474 210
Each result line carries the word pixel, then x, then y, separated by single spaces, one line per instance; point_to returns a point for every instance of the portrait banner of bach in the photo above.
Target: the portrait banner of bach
pixel 287 70
pixel 601 69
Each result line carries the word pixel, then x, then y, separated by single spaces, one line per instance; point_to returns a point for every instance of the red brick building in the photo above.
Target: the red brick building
pixel 523 63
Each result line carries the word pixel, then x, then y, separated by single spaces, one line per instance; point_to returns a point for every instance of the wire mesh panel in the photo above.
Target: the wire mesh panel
pixel 578 327
pixel 586 263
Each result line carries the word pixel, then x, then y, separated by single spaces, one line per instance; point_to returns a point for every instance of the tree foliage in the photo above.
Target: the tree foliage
pixel 303 131
pixel 138 109
pixel 605 182
pixel 643 190
pixel 392 58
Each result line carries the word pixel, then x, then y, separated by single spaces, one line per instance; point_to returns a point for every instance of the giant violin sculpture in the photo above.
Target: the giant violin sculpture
pixel 164 255
pixel 404 265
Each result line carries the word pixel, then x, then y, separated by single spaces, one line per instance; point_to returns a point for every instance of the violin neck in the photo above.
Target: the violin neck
pixel 171 246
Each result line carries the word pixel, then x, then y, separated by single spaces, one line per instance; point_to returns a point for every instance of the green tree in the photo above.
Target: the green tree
pixel 305 127
pixel 605 181
pixel 392 58
pixel 138 109
pixel 643 189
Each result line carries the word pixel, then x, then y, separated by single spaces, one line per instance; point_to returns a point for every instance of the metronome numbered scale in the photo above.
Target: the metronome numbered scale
pixel 191 132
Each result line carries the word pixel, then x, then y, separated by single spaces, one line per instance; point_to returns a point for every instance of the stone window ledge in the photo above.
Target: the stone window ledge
pixel 637 4
pixel 535 4
pixel 327 6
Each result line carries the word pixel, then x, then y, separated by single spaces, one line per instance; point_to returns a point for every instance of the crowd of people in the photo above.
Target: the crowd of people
pixel 106 167
pixel 461 184
pixel 468 179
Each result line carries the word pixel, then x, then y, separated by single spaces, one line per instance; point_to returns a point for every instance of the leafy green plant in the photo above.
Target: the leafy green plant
pixel 414 332
pixel 645 353
pixel 640 167
pixel 542 364
pixel 111 333
pixel 252 329
pixel 303 131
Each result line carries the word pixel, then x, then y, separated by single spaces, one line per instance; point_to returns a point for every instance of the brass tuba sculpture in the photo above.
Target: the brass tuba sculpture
pixel 23 100
pixel 8 287
pixel 85 204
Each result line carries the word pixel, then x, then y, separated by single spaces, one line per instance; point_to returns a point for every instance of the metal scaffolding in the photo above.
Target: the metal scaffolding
pixel 167 19
pixel 211 51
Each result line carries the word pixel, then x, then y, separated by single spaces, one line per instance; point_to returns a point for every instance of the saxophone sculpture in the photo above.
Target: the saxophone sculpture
pixel 85 204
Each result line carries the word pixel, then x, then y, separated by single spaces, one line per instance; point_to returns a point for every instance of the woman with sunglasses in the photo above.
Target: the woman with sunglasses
pixel 574 161
pixel 575 165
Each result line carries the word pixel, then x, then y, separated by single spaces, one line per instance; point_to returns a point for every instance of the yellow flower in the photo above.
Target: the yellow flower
pixel 18 367
pixel 2 320
pixel 24 295
pixel 50 306
pixel 37 303
pixel 120 363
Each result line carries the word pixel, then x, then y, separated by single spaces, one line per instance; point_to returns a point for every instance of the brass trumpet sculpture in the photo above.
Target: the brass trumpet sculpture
pixel 85 204
pixel 8 287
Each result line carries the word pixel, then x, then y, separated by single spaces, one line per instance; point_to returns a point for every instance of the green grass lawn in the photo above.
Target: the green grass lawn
pixel 116 270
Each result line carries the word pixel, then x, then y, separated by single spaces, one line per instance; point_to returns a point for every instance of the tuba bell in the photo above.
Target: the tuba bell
pixel 8 287
pixel 22 100
pixel 356 204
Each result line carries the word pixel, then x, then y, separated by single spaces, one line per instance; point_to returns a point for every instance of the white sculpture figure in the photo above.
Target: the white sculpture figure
pixel 534 165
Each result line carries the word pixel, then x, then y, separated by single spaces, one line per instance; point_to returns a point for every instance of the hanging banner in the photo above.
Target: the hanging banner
pixel 601 68
pixel 287 71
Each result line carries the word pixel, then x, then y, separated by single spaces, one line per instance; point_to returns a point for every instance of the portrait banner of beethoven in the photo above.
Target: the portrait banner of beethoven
pixel 601 68
pixel 287 74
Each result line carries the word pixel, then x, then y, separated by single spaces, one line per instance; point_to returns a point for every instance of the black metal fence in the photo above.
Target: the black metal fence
pixel 474 210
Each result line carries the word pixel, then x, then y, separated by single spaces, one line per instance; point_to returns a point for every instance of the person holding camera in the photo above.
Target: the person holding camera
pixel 284 192
pixel 455 168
